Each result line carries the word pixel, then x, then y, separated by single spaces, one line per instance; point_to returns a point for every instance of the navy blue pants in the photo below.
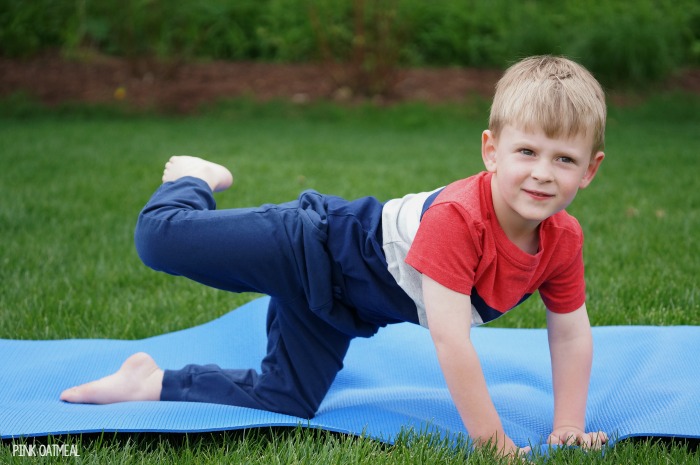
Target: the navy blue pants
pixel 320 259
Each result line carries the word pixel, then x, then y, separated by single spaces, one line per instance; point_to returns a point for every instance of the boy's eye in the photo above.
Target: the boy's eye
pixel 567 160
pixel 527 152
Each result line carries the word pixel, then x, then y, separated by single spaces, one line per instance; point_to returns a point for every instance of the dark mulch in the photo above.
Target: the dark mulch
pixel 182 87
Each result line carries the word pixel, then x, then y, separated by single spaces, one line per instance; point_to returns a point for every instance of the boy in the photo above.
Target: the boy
pixel 448 260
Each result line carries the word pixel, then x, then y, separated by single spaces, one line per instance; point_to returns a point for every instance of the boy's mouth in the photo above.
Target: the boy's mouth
pixel 538 194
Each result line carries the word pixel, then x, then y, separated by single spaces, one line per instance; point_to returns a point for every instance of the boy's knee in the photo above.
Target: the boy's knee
pixel 152 245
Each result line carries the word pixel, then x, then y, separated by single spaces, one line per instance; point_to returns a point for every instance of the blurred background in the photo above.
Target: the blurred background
pixel 91 94
pixel 176 54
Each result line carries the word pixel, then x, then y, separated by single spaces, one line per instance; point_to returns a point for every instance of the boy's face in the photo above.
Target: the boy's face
pixel 535 176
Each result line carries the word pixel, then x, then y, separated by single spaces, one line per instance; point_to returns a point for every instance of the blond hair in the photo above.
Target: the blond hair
pixel 553 94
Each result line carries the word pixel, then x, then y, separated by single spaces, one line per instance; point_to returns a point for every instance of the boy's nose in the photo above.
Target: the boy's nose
pixel 542 171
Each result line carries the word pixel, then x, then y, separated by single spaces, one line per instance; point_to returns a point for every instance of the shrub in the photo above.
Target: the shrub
pixel 28 27
pixel 624 43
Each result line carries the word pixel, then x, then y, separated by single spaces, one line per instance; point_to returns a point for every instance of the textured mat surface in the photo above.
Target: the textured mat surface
pixel 645 382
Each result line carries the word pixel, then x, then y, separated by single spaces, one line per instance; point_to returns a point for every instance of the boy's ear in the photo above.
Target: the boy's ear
pixel 592 169
pixel 488 150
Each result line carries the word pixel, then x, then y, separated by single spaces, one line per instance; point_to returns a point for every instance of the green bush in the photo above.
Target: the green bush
pixel 28 27
pixel 621 42
pixel 166 29
pixel 629 45
pixel 460 32
pixel 215 29
pixel 632 42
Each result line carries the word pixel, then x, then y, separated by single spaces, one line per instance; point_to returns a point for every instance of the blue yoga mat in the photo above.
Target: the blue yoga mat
pixel 645 382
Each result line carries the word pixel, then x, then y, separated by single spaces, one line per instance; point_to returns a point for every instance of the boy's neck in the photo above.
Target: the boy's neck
pixel 526 238
pixel 527 242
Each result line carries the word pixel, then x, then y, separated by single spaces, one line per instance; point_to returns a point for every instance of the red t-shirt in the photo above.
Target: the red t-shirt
pixel 461 245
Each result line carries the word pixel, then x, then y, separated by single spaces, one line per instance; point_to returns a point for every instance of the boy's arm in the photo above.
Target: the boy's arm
pixel 449 318
pixel 571 351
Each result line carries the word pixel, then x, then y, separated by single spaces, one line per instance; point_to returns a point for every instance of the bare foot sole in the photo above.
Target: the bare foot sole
pixel 139 378
pixel 218 177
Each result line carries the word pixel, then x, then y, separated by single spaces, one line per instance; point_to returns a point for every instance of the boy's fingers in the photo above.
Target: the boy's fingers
pixel 519 454
pixel 578 438
pixel 586 440
pixel 566 438
pixel 573 438
pixel 597 439
pixel 593 440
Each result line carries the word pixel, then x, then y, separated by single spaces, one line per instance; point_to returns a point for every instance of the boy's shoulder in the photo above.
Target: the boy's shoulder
pixel 469 193
pixel 470 196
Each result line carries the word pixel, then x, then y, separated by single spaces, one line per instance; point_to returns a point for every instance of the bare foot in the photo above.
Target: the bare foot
pixel 218 177
pixel 139 378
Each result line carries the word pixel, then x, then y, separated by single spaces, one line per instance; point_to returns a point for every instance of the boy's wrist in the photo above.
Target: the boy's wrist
pixel 568 426
pixel 570 420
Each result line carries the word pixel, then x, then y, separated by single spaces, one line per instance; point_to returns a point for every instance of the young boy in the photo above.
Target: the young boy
pixel 449 259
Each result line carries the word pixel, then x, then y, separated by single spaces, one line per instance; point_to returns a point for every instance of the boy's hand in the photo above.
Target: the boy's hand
pixel 511 450
pixel 572 436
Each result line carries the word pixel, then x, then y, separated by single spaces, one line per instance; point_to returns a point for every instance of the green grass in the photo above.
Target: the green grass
pixel 301 446
pixel 73 180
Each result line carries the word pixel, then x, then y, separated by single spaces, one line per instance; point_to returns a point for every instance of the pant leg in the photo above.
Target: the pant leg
pixel 180 232
pixel 274 249
pixel 304 355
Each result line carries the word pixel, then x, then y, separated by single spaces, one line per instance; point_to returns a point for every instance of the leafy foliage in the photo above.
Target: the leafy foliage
pixel 623 43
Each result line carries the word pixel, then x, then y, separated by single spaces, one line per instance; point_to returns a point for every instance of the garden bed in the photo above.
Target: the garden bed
pixel 183 87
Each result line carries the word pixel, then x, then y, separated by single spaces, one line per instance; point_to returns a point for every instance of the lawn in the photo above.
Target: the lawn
pixel 73 181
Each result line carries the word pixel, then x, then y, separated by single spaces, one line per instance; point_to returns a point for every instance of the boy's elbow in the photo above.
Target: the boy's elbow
pixel 448 342
pixel 568 326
